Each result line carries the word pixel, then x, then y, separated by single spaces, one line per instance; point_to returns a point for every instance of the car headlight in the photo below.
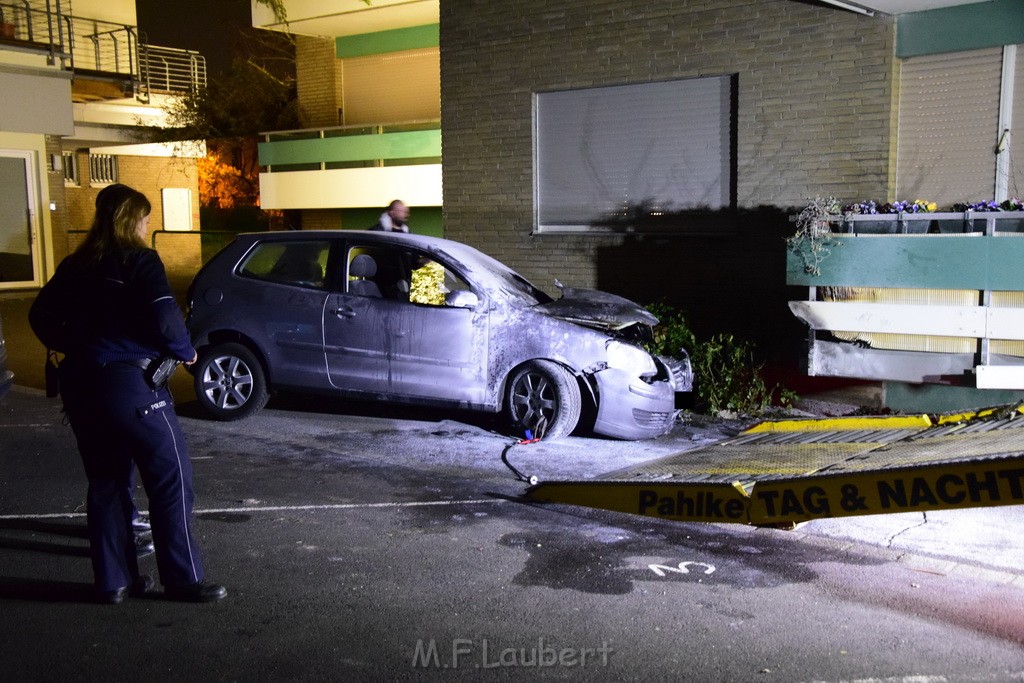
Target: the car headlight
pixel 630 358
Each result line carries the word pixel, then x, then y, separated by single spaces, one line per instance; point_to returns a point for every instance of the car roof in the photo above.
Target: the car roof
pixel 402 238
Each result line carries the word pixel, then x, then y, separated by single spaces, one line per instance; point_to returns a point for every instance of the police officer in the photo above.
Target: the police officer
pixel 110 310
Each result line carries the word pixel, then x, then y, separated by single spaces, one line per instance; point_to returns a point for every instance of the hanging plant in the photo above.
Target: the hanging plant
pixel 813 240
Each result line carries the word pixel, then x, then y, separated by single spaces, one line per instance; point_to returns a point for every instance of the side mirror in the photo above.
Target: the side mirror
pixel 462 298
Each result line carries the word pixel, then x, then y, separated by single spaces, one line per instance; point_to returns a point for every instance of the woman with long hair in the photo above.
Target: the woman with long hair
pixel 110 310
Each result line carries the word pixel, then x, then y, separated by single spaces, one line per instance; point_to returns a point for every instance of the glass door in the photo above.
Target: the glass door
pixel 19 243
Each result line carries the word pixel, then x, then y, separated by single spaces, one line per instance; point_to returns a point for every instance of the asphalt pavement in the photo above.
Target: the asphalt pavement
pixel 392 543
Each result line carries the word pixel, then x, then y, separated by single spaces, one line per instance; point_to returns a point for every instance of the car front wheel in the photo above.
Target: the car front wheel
pixel 544 399
pixel 229 382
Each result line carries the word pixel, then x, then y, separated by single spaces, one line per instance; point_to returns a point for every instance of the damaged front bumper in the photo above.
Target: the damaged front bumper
pixel 645 409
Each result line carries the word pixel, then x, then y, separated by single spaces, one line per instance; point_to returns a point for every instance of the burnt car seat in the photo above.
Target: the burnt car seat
pixel 363 267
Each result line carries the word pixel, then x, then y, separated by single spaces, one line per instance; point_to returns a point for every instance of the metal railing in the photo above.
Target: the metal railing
pixel 370 146
pixel 100 47
pixel 170 70
pixel 39 23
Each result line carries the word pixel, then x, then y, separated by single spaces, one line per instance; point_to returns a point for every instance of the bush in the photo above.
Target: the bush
pixel 726 375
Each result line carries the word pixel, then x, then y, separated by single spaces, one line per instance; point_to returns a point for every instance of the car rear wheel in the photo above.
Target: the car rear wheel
pixel 229 382
pixel 543 398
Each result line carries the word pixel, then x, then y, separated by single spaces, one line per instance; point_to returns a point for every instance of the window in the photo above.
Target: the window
pixel 614 158
pixel 299 263
pixel 102 169
pixel 70 160
pixel 955 112
pixel 401 275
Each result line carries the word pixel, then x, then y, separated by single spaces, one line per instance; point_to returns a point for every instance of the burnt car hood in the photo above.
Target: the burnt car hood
pixel 600 310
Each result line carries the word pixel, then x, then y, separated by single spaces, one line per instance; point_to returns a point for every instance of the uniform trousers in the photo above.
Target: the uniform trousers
pixel 120 422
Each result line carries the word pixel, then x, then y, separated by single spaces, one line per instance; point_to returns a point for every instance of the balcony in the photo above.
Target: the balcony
pixel 919 298
pixel 352 166
pixel 108 60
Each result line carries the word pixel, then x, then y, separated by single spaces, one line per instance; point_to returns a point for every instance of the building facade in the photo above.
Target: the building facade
pixel 81 85
pixel 368 79
pixel 661 150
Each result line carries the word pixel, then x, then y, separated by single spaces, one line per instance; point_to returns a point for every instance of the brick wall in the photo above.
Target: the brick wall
pixel 318 74
pixel 815 94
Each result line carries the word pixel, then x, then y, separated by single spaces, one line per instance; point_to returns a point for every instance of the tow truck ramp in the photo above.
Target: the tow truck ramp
pixel 781 473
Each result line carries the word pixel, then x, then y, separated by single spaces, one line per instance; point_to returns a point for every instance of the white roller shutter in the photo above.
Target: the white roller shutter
pixel 948 126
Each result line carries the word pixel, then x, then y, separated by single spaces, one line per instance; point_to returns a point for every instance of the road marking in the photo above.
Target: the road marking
pixel 683 568
pixel 288 508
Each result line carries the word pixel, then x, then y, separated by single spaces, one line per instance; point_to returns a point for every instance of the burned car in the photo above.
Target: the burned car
pixel 421 320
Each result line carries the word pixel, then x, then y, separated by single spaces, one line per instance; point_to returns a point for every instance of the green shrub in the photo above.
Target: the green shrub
pixel 726 375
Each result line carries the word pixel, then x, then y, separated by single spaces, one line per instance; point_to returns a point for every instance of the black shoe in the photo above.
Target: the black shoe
pixel 114 597
pixel 142 586
pixel 203 591
pixel 143 546
pixel 138 589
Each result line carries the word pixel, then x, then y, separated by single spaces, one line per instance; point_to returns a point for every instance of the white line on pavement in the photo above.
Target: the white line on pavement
pixel 285 508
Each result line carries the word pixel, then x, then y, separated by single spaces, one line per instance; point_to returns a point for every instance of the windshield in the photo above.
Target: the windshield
pixel 495 275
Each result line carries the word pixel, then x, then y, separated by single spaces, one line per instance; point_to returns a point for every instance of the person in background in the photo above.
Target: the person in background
pixel 110 310
pixel 394 219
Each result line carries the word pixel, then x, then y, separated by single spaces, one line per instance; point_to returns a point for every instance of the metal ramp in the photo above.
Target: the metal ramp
pixel 785 472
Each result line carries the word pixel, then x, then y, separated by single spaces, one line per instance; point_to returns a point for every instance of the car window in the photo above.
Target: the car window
pixel 401 275
pixel 301 263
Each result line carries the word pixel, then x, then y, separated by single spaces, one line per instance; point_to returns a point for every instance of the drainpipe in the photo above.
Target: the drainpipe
pixel 1005 118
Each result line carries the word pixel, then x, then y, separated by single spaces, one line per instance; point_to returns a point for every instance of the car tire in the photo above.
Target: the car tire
pixel 543 398
pixel 229 382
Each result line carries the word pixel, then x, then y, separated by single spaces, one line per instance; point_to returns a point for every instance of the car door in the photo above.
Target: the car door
pixel 392 332
pixel 280 304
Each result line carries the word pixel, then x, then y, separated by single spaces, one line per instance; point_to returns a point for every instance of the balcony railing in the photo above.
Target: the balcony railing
pixel 170 70
pixel 95 47
pixel 921 298
pixel 359 146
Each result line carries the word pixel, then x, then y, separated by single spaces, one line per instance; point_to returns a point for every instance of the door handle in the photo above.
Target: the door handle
pixel 344 312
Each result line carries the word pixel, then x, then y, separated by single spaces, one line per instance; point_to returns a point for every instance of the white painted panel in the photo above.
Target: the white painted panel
pixel 1006 323
pixel 36 103
pixel 177 203
pixel 351 187
pixel 946 321
pixel 1000 376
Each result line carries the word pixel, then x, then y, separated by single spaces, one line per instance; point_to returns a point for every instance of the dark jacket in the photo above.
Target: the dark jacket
pixel 121 308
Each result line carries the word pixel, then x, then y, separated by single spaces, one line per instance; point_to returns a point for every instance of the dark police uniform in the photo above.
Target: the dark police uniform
pixel 110 319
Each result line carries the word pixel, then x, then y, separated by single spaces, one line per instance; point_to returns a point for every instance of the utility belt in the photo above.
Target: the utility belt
pixel 157 371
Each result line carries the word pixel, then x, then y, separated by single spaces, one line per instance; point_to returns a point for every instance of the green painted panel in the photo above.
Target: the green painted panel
pixel 406 145
pixel 394 40
pixel 962 27
pixel 940 262
pixel 932 398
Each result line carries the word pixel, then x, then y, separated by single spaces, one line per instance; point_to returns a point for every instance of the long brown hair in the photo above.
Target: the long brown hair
pixel 119 209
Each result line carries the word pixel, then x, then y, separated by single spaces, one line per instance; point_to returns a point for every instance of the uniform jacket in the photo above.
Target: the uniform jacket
pixel 121 308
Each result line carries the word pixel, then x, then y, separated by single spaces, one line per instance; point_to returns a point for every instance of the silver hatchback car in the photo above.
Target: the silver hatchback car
pixel 421 320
